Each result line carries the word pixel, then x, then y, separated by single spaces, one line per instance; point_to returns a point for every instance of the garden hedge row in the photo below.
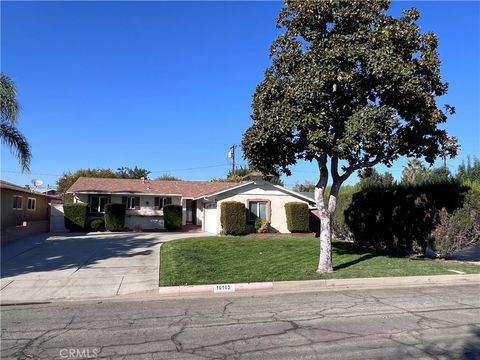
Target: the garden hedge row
pixel 233 217
pixel 75 215
pixel 297 216
pixel 403 219
pixel 172 215
pixel 114 217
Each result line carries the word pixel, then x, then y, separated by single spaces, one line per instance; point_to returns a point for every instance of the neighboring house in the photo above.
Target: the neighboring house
pixel 24 212
pixel 200 200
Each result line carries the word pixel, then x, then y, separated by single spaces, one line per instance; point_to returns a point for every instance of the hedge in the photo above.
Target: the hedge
pixel 297 216
pixel 233 217
pixel 97 225
pixel 114 217
pixel 400 218
pixel 75 215
pixel 172 215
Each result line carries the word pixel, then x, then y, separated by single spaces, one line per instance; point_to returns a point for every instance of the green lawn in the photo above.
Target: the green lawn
pixel 211 260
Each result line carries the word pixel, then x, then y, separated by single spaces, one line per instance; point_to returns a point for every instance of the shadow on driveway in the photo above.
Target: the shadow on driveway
pixel 74 251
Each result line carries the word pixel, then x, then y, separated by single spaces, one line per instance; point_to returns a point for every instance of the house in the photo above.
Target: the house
pixel 24 211
pixel 200 200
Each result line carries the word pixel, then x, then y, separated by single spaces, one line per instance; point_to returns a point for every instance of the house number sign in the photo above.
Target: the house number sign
pixel 222 288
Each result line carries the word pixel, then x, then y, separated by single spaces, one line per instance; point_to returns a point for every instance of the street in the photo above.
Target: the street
pixel 429 322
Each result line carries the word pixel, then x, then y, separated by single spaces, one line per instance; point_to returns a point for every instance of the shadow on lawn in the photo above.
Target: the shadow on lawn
pixel 345 248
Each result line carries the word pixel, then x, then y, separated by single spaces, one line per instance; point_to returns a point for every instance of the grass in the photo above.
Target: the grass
pixel 212 260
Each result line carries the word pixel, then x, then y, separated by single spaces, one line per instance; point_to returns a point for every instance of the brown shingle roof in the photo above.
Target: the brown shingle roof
pixel 137 186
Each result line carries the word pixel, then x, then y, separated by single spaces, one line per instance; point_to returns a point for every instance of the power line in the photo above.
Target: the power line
pixel 154 171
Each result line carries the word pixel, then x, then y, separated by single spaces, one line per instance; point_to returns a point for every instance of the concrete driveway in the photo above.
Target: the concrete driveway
pixel 80 266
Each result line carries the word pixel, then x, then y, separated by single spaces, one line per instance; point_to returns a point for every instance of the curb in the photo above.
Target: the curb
pixel 316 285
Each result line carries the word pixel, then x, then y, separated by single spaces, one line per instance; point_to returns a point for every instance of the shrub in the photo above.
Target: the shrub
pixel 262 226
pixel 97 224
pixel 340 227
pixel 75 216
pixel 114 217
pixel 172 215
pixel 297 216
pixel 401 218
pixel 233 217
pixel 459 229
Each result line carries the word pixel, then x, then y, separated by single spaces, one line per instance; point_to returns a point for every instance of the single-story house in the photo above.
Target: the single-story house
pixel 200 200
pixel 24 211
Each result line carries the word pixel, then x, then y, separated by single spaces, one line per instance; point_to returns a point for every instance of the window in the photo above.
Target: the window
pixel 31 204
pixel 160 202
pixel 17 202
pixel 97 203
pixel 257 209
pixel 131 202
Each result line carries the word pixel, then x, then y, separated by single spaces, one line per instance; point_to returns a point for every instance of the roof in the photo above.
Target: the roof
pixel 10 186
pixel 153 187
pixel 309 199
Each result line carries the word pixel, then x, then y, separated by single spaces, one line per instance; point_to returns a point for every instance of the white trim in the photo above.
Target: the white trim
pixel 294 193
pixel 281 188
pixel 34 203
pixel 205 196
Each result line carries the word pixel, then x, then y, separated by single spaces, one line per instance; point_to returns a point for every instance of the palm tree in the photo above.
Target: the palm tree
pixel 413 171
pixel 9 134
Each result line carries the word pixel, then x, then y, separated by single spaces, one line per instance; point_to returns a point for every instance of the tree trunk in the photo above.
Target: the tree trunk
pixel 325 262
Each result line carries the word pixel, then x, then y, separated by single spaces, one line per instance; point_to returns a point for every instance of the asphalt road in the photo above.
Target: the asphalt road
pixel 435 322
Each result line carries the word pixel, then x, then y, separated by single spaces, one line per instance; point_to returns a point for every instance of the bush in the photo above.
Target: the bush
pixel 340 227
pixel 233 217
pixel 172 215
pixel 114 217
pixel 97 225
pixel 459 229
pixel 401 218
pixel 75 216
pixel 297 216
pixel 262 226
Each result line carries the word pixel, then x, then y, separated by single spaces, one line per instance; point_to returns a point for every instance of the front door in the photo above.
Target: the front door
pixel 189 211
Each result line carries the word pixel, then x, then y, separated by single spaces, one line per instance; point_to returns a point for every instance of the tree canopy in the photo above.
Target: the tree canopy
pixel 348 82
pixel 132 173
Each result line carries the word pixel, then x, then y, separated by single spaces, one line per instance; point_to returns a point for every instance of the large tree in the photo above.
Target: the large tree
pixel 349 87
pixel 132 173
pixel 9 134
pixel 69 178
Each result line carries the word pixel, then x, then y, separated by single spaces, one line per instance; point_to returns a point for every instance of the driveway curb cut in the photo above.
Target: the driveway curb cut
pixel 333 284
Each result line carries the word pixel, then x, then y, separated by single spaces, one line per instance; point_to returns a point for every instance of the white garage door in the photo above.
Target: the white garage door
pixel 211 218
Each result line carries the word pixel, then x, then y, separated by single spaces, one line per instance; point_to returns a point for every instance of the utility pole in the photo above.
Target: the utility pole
pixel 231 155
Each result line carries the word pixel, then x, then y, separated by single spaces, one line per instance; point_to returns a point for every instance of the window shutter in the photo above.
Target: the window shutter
pixel 156 202
pixel 137 202
pixel 124 200
pixel 169 200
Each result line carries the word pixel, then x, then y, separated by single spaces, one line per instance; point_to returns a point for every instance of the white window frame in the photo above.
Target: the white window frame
pixel 257 203
pixel 15 202
pixel 34 204
pixel 130 202
pixel 99 203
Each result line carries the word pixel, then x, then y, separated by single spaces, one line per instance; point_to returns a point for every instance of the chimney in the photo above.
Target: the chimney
pixel 143 180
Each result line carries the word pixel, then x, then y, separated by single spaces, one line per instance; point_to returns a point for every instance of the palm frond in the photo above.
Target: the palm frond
pixel 9 106
pixel 17 143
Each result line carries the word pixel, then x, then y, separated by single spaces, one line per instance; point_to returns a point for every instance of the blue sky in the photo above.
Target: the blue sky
pixel 168 85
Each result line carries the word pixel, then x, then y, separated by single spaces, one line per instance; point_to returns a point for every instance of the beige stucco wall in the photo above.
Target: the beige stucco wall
pixel 261 191
pixel 11 217
pixel 146 217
